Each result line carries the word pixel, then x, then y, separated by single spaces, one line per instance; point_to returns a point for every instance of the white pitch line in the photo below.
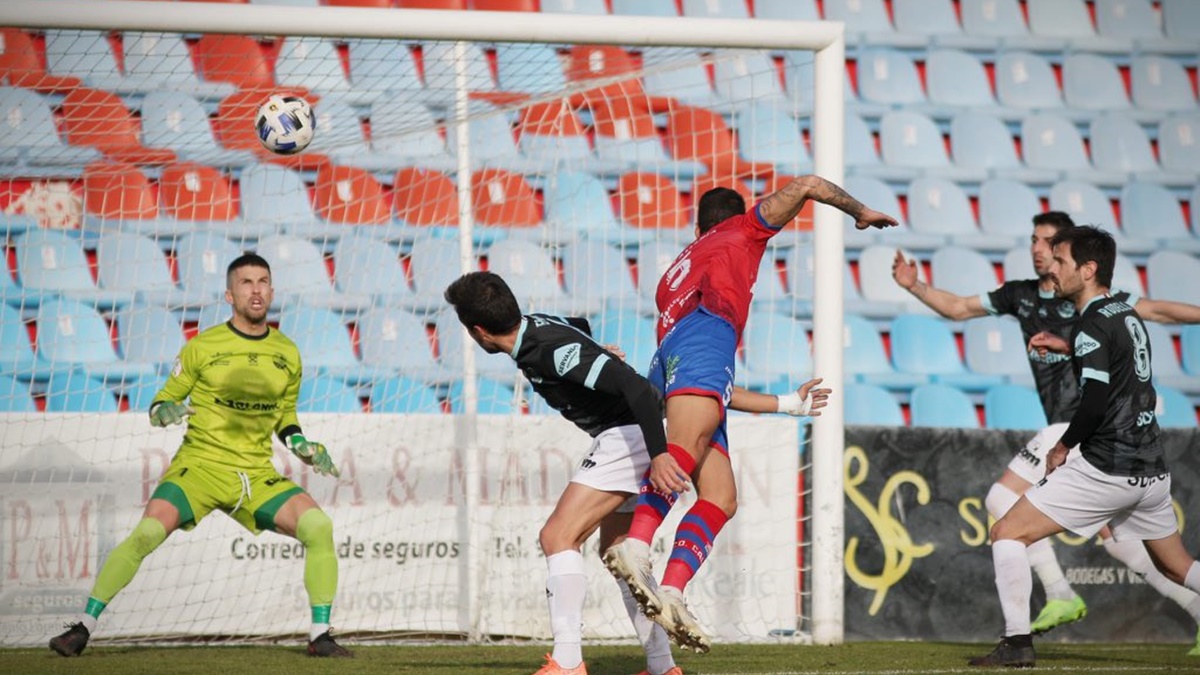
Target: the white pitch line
pixel 948 671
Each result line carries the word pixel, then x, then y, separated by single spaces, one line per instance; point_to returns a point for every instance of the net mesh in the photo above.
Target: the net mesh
pixel 132 175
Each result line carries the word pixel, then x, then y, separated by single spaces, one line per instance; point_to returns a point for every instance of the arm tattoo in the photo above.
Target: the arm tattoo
pixel 781 207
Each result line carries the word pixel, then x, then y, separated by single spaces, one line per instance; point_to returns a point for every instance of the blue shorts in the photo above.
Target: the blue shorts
pixel 697 358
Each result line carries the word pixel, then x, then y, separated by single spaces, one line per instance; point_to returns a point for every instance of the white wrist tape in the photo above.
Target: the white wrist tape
pixel 792 404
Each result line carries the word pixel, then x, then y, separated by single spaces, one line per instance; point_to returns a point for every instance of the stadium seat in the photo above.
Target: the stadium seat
pixel 201 259
pixel 74 391
pixel 495 397
pixel 350 196
pixel 396 342
pixel 175 120
pixel 867 362
pixel 424 201
pixel 889 77
pixel 135 266
pixel 73 335
pixel 680 73
pixel 746 75
pixel 869 405
pixel 30 136
pixel 1165 269
pixel 149 334
pixel 1010 406
pixel 1151 211
pixel 1026 81
pixel 1003 20
pixel 880 196
pixel 938 22
pixel 787 10
pixel 324 344
pixel 1052 142
pixel 551 134
pixel 15 395
pixel 875 275
pixel 982 141
pixel 1070 21
pixel 164 58
pixel 1006 209
pixel 529 68
pixel 1189 340
pixel 493 145
pixel 654 258
pixel 367 267
pixel 118 197
pixel 1160 84
pixel 1167 367
pixel 589 7
pixel 530 273
pixel 324 394
pixel 21 65
pixel 385 69
pixel 1087 205
pixel 912 141
pixel 212 314
pixel 939 405
pixel 1092 82
pixel 139 392
pixel 86 54
pixel 299 275
pixel 578 205
pixel 939 207
pixel 440 74
pixel 644 8
pixel 313 63
pixel 16 353
pixel 769 291
pixel 597 276
pixel 718 9
pixel 1174 410
pixel 799 264
pixel 98 119
pixel 862 157
pixel 1126 276
pixel 956 79
pixel 434 264
pixel 925 345
pixel 632 332
pixel 1018 264
pixel 777 352
pixel 626 133
pixel 275 199
pixel 994 345
pixel 402 394
pixel 341 139
pixel 401 127
pixel 1139 21
pixel 867 23
pixel 236 59
pixel 450 337
pixel 234 128
pixel 649 200
pixel 201 197
pixel 503 202
pixel 769 134
pixel 1181 19
pixel 51 263
pixel 1179 144
pixel 962 271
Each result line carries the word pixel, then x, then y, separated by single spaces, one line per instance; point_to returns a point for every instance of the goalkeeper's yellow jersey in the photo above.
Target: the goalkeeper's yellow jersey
pixel 243 389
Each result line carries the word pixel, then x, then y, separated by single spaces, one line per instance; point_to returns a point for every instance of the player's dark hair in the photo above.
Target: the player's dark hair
pixel 483 299
pixel 718 205
pixel 245 260
pixel 1090 244
pixel 1056 219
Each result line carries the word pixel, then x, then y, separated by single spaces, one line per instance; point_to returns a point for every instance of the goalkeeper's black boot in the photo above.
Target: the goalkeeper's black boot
pixel 71 642
pixel 324 645
pixel 1014 651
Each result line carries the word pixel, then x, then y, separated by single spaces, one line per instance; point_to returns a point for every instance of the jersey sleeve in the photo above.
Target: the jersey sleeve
pixel 756 226
pixel 1091 350
pixel 287 407
pixel 579 323
pixel 184 373
pixel 1001 301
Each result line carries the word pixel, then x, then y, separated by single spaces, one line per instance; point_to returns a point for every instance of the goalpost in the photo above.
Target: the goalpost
pixel 447 479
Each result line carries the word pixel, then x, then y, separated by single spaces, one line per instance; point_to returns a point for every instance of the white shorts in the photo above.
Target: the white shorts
pixel 616 462
pixel 1030 461
pixel 1084 499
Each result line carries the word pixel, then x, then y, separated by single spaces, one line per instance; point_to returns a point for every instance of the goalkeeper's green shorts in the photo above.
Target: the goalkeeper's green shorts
pixel 250 497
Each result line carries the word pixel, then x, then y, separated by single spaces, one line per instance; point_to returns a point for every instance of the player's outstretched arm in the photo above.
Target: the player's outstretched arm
pixel 1046 342
pixel 781 207
pixel 949 305
pixel 1166 311
pixel 805 401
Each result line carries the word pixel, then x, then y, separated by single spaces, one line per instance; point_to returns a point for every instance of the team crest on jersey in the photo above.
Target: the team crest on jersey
pixel 279 361
pixel 1085 344
pixel 1066 310
pixel 566 358
pixel 177 368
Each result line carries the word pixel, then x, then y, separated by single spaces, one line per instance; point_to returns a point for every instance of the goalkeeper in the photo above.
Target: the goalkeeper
pixel 242 379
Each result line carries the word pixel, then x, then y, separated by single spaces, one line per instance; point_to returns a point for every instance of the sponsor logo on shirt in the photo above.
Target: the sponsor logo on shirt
pixel 566 358
pixel 177 368
pixel 1085 344
pixel 247 405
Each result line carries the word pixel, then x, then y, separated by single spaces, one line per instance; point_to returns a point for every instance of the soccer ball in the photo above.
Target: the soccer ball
pixel 285 124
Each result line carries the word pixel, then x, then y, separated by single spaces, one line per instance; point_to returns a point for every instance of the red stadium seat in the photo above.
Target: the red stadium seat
pixel 98 119
pixel 422 197
pixel 237 59
pixel 505 5
pixel 622 119
pixel 708 181
pixel 20 65
pixel 701 135
pixel 504 199
pixel 351 196
pixel 591 62
pixel 432 4
pixel 233 127
pixel 648 200
pixel 381 4
pixel 191 191
pixel 118 191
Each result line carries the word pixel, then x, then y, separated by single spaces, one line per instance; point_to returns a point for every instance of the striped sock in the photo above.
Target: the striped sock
pixel 693 541
pixel 654 505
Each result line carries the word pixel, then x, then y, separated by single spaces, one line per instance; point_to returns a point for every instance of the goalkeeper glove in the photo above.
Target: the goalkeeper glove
pixel 166 413
pixel 314 454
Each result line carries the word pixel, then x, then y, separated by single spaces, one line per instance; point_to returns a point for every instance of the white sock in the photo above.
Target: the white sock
pixel 652 636
pixel 316 631
pixel 1014 583
pixel 1044 562
pixel 566 590
pixel 1133 554
pixel 1192 580
pixel 89 622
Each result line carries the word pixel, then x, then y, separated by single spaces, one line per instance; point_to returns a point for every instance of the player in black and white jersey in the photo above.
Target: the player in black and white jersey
pixel 591 386
pixel 1037 309
pixel 1119 476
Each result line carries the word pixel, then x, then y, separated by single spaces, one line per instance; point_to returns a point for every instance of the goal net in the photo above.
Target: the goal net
pixel 565 153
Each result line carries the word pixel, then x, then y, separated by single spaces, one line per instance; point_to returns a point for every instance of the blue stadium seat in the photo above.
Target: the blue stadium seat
pixel 653 260
pixel 1160 84
pixel 439 61
pixel 1126 276
pixel 716 9
pixel 644 8
pixel 875 275
pixel 341 138
pixel 30 134
pixel 589 7
pixel 139 392
pixel 402 394
pixel 529 68
pixel 16 352
pixel 769 291
pixel 767 132
pixel 1018 264
pixel 434 264
pixel 386 69
pixel 164 58
pixel 493 145
pixel 1092 82
pixel 275 199
pixel 136 266
pixel 912 140
pixel 15 396
pixel 679 73
pixel 1088 205
pixel 924 345
pixel 597 276
pixel 777 352
pixel 50 263
pixel 313 63
pixel 1051 141
pixel 787 10
pixel 323 341
pixel 962 271
pixel 957 79
pixel 75 392
pixel 73 335
pixel 867 23
pixel 201 259
pixel 939 405
pixel 1165 364
pixel 982 141
pixel 149 335
pixel 867 362
pixel 941 208
pixel 324 394
pixel 1175 411
pixel 800 268
pixel 87 55
pixel 213 314
pixel 1151 211
pixel 1006 208
pixel 744 74
pixel 1071 22
pixel 632 332
pixel 1181 19
pixel 1177 145
pixel 175 120
pixel 889 77
pixel 530 273
pixel 298 274
pixel 1137 20
pixel 1026 81
pixel 578 203
pixel 882 197
pixel 366 266
pixel 1013 407
pixel 495 397
pixel 937 20
pixel 1003 20
pixel 450 337
pixel 867 404
pixel 994 345
pixel 1189 339
pixel 395 341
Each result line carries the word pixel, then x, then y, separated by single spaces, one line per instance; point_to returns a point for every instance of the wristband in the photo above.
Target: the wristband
pixel 792 404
